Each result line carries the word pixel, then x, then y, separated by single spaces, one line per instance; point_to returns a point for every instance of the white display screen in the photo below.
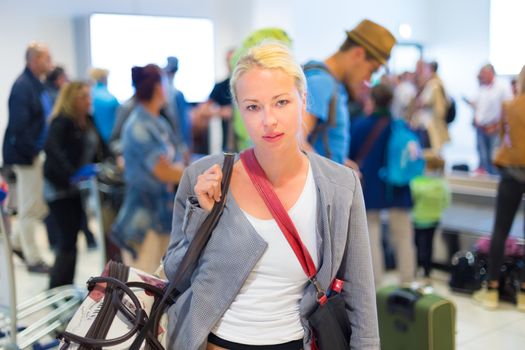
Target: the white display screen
pixel 119 42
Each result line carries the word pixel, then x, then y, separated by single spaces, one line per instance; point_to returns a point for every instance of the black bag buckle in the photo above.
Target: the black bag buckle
pixel 321 295
pixel 91 284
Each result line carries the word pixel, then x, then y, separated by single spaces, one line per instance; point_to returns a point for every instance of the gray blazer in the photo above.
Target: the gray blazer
pixel 235 247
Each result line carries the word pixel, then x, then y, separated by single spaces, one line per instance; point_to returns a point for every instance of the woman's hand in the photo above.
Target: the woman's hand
pixel 208 187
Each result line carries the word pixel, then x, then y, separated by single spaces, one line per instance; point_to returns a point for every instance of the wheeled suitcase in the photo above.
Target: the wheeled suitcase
pixel 410 319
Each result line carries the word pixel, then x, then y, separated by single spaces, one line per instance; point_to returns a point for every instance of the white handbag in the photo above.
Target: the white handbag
pixel 118 304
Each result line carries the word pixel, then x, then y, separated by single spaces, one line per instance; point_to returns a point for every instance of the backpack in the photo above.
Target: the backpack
pixel 450 114
pixel 451 111
pixel 465 274
pixel 321 128
pixel 404 157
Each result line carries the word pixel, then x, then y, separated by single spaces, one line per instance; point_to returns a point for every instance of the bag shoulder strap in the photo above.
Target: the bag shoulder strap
pixel 378 128
pixel 191 257
pixel 276 208
pixel 321 129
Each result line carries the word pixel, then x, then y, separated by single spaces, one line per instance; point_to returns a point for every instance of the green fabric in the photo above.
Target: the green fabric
pixel 427 323
pixel 431 196
pixel 242 139
pixel 384 112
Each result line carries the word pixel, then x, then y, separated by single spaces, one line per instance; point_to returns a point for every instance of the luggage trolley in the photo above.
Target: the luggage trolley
pixel 44 314
pixel 106 188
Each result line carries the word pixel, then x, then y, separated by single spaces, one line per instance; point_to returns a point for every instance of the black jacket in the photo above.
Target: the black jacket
pixel 26 120
pixel 65 147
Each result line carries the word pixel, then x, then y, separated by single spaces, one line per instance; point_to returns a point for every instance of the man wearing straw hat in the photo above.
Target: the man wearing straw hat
pixel 327 124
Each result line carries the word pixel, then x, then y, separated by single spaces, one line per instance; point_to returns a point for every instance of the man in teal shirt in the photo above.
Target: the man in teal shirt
pixel 366 48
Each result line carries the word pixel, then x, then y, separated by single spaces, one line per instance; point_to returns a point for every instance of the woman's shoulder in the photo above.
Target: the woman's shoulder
pixel 335 173
pixel 139 127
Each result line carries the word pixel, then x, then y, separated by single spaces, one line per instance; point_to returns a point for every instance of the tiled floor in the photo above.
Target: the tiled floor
pixel 477 329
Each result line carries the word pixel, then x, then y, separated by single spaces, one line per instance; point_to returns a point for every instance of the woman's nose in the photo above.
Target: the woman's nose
pixel 268 117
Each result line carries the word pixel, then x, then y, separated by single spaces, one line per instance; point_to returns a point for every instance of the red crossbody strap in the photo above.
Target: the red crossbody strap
pixel 265 189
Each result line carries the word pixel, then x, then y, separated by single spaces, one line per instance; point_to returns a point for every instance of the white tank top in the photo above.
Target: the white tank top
pixel 266 310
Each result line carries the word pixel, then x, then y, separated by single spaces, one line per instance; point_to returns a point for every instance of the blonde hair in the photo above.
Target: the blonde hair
pixel 99 74
pixel 268 55
pixel 65 103
pixel 521 81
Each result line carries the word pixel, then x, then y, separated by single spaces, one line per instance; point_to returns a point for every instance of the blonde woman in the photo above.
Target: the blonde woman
pixel 67 150
pixel 249 290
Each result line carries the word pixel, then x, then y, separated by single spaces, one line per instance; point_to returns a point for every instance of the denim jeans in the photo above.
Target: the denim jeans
pixel 142 211
pixel 486 144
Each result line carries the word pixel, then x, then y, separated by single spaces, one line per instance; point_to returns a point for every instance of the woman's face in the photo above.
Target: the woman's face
pixel 83 101
pixel 271 107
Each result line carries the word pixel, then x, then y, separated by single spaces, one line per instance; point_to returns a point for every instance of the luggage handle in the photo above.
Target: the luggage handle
pixel 402 302
pixel 140 315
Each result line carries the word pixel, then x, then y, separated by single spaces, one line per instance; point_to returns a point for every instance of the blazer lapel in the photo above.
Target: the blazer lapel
pixel 325 193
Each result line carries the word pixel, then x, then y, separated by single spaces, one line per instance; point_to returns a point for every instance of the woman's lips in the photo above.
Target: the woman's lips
pixel 273 137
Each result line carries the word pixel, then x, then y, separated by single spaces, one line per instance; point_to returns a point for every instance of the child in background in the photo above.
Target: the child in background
pixel 431 196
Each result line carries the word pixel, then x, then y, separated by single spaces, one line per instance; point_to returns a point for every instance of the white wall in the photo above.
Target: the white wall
pixel 318 27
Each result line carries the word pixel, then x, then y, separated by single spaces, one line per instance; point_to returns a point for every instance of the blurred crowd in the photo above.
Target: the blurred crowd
pixel 59 128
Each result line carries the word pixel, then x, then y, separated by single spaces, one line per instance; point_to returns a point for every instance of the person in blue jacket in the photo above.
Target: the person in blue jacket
pixel 370 137
pixel 151 173
pixel 29 107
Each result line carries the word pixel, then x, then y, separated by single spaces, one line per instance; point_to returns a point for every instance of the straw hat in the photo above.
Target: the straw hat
pixel 376 39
